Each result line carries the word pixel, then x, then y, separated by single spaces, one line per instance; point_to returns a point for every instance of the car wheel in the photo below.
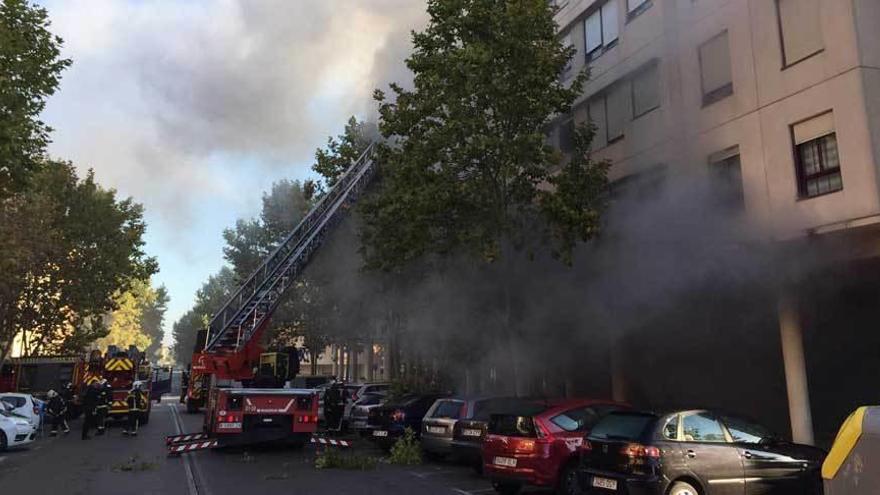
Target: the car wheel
pixel 3 443
pixel 568 483
pixel 682 488
pixel 506 488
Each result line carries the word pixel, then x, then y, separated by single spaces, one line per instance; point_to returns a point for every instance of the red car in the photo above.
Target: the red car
pixel 539 444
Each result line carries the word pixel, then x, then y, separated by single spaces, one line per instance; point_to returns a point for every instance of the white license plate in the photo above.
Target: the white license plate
pixel 471 433
pixel 505 461
pixel 436 429
pixel 229 426
pixel 604 483
pixel 380 433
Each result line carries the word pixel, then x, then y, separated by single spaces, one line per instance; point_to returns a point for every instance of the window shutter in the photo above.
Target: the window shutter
pixel 609 22
pixel 814 128
pixel 618 110
pixel 715 63
pixel 801 28
pixel 593 31
pixel 632 5
pixel 596 109
pixel 646 90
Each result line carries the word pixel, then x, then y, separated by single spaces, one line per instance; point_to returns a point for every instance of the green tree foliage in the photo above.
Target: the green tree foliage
pixel 30 70
pixel 470 155
pixel 69 247
pixel 331 162
pixel 209 299
pixel 137 319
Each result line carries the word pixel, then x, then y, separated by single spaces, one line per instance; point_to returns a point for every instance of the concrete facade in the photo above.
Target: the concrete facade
pixel 795 75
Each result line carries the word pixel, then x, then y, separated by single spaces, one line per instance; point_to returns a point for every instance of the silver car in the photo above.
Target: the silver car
pixel 360 410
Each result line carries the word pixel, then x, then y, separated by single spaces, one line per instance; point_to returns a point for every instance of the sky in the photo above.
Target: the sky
pixel 194 108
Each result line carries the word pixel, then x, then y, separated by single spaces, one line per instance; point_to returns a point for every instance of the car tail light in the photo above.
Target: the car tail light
pixel 37 410
pixel 398 416
pixel 226 419
pixel 525 446
pixel 636 450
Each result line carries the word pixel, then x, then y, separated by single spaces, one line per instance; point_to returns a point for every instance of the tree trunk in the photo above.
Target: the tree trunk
pixel 371 374
pixel 356 372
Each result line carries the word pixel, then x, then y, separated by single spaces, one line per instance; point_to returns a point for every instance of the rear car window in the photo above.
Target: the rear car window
pixel 623 426
pixel 499 405
pixel 448 409
pixel 701 427
pixel 582 418
pixel 15 402
pixel 370 400
pixel 511 425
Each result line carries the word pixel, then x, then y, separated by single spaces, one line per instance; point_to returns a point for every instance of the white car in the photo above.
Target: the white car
pixel 15 430
pixel 24 405
pixel 360 411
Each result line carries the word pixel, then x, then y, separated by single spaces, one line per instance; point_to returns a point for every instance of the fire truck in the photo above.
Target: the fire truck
pixel 38 374
pixel 240 385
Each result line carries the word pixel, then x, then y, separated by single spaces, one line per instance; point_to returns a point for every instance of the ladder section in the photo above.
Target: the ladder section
pixel 255 301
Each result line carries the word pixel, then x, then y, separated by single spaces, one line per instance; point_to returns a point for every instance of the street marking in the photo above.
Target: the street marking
pixel 2 459
pixel 187 459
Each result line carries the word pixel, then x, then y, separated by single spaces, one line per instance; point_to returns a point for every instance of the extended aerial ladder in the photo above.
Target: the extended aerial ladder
pixel 229 350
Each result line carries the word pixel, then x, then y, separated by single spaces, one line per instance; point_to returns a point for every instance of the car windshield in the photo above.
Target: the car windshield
pixel 622 426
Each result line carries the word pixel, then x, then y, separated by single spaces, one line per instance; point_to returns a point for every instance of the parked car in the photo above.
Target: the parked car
pixel 538 444
pixel 15 430
pixel 388 422
pixel 469 431
pixel 695 452
pixel 360 410
pixel 24 405
pixel 441 423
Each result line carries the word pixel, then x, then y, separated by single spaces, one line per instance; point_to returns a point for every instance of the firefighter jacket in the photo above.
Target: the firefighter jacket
pixel 137 401
pixel 56 406
pixel 105 394
pixel 91 399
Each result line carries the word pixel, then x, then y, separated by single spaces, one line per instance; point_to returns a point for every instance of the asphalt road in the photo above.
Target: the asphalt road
pixel 118 465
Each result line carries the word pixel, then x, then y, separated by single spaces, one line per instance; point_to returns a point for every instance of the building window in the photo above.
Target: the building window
pixel 817 160
pixel 600 29
pixel 646 90
pixel 800 28
pixel 596 116
pixel 715 75
pixel 726 178
pixel 636 7
pixel 566 71
pixel 617 108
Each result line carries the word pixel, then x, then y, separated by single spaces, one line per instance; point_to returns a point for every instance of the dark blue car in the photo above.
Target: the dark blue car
pixel 387 423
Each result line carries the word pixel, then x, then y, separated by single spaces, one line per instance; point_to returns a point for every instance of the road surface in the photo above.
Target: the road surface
pixel 119 465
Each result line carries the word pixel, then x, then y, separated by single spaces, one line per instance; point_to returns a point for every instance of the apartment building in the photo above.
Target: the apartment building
pixel 776 103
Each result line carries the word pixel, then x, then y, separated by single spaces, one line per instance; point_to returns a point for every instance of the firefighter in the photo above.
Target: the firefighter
pixel 105 395
pixel 184 384
pixel 334 406
pixel 68 393
pixel 56 410
pixel 90 400
pixel 137 404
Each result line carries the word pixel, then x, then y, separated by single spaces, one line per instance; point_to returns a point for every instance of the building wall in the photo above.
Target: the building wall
pixel 767 99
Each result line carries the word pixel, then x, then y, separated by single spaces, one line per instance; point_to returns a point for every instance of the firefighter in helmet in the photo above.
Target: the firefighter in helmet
pixel 137 406
pixel 90 401
pixel 56 409
pixel 105 395
pixel 334 405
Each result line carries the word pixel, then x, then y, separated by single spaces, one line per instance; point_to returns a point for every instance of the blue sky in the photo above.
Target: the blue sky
pixel 194 108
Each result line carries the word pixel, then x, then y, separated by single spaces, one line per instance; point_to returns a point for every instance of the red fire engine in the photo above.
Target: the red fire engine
pixel 240 385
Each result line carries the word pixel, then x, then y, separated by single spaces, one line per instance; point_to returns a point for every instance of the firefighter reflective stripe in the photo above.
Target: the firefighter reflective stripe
pixel 330 441
pixel 119 364
pixel 189 447
pixel 185 438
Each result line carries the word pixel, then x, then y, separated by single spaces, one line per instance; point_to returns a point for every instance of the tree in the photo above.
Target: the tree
pixel 30 70
pixel 468 158
pixel 209 299
pixel 137 319
pixel 64 276
pixel 331 162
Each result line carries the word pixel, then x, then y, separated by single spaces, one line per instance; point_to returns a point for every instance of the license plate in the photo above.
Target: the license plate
pixel 604 483
pixel 436 429
pixel 505 461
pixel 471 433
pixel 229 426
pixel 380 433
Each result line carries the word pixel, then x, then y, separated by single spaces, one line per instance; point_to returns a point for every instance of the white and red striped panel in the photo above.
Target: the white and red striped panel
pixel 185 438
pixel 330 441
pixel 190 447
